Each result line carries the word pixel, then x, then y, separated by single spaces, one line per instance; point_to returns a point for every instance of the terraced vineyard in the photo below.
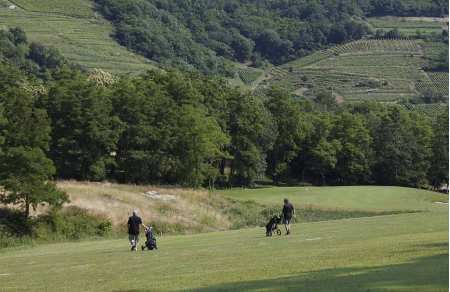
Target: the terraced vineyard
pixel 249 75
pixel 75 29
pixel 360 46
pixel 381 70
pixel 436 83
pixel 432 110
pixel 440 81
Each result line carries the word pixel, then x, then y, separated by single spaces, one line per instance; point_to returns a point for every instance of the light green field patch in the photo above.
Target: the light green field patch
pixel 79 8
pixel 358 198
pixel 408 26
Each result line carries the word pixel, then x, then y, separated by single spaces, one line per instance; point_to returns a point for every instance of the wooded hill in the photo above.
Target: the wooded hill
pixel 205 34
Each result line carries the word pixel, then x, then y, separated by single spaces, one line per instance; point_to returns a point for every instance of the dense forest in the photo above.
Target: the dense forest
pixel 206 35
pixel 189 129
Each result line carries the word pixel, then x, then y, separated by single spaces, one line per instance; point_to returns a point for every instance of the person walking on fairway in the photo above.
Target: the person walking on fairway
pixel 134 224
pixel 288 212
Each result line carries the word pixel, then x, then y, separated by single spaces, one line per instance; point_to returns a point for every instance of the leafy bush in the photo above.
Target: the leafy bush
pixel 14 229
pixel 71 223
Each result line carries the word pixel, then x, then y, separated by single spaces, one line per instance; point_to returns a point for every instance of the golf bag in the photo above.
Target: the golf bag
pixel 150 242
pixel 272 226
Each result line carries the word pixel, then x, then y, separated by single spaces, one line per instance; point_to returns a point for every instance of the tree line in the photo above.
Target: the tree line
pixel 188 129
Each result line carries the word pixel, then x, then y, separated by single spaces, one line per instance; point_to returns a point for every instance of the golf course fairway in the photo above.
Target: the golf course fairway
pixel 401 252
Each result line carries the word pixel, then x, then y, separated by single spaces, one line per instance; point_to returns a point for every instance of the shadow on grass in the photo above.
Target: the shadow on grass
pixel 423 274
pixel 443 245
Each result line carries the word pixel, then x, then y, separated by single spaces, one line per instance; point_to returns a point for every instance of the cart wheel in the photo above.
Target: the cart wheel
pixel 278 231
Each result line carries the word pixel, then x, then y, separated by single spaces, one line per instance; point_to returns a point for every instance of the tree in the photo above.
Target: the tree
pixel 402 148
pixel 25 171
pixel 325 99
pixel 243 48
pixel 25 174
pixel 201 145
pixel 355 156
pixel 252 133
pixel 318 156
pixel 290 129
pixel 337 34
pixel 321 149
pixel 438 172
pixel 18 35
pixel 45 57
pixel 84 130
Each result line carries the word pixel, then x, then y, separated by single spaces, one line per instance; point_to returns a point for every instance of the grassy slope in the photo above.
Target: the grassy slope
pixel 373 198
pixel 191 211
pixel 74 28
pixel 404 252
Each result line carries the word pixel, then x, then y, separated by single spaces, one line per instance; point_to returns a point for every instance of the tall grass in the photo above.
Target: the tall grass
pixel 191 211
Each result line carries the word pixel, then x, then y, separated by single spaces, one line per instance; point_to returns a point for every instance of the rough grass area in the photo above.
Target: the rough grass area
pixel 405 252
pixel 73 27
pixel 193 211
pixel 178 210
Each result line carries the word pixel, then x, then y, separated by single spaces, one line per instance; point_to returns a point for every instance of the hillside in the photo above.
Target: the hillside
pixel 403 252
pixel 208 37
pixel 380 70
pixel 73 28
pixel 205 35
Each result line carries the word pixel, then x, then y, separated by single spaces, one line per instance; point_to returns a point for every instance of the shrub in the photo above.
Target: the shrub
pixel 71 223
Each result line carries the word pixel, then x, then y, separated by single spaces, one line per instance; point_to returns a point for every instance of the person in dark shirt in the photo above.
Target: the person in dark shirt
pixel 288 212
pixel 134 224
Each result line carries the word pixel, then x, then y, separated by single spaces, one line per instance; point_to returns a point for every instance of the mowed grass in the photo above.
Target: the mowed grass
pixel 73 27
pixel 403 252
pixel 407 252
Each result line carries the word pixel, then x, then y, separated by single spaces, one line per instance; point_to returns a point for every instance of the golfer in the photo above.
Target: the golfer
pixel 288 212
pixel 134 224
